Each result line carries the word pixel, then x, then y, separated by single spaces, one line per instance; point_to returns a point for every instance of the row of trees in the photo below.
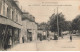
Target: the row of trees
pixel 76 23
pixel 63 24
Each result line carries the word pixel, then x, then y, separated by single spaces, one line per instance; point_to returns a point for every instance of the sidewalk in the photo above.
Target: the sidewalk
pixel 24 47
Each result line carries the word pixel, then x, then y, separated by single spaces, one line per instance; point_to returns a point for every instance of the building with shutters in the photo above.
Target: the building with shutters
pixel 10 23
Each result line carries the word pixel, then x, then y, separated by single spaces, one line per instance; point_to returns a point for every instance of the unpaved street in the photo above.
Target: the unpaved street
pixel 45 45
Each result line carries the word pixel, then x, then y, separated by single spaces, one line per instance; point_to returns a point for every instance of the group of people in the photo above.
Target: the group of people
pixel 56 37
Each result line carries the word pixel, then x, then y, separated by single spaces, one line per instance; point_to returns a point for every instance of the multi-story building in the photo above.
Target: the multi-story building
pixel 29 27
pixel 10 23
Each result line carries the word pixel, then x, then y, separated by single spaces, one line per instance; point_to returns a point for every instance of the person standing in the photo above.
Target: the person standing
pixel 23 39
pixel 71 38
pixel 10 42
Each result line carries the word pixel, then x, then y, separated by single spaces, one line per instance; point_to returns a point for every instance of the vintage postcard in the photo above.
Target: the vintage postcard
pixel 39 25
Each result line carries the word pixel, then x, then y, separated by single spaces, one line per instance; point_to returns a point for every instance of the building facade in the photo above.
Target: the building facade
pixel 10 23
pixel 29 27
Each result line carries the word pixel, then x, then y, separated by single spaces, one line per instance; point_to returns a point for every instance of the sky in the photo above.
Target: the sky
pixel 43 9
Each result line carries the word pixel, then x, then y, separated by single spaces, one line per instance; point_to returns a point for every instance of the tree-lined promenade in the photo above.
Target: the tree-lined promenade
pixel 63 25
pixel 58 24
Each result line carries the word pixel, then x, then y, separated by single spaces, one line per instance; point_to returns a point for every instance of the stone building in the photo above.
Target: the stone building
pixel 10 23
pixel 42 31
pixel 29 27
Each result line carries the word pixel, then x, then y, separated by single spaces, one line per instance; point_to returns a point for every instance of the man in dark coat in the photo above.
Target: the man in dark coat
pixel 71 38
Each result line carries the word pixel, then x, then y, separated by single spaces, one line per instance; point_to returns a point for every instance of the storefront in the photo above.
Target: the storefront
pixel 9 36
pixel 2 36
pixel 29 35
pixel 10 24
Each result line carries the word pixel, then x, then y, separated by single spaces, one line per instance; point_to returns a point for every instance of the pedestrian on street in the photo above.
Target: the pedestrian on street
pixel 71 38
pixel 55 37
pixel 23 39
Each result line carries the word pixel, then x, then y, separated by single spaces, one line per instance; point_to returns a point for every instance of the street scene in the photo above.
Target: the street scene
pixel 52 45
pixel 39 25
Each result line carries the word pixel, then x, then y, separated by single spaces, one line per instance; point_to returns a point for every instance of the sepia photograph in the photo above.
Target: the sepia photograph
pixel 39 25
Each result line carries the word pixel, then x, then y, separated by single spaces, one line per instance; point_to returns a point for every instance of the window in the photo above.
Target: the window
pixel 8 13
pixel 3 8
pixel 17 17
pixel 0 5
pixel 15 14
pixel 12 15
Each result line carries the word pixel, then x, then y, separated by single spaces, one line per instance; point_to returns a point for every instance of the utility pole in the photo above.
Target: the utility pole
pixel 57 22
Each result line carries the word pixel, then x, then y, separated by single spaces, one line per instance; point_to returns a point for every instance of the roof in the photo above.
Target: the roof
pixel 16 5
pixel 26 16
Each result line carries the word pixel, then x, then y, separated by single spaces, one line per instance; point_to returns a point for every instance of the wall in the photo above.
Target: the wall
pixel 10 14
pixel 10 11
pixel 29 25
